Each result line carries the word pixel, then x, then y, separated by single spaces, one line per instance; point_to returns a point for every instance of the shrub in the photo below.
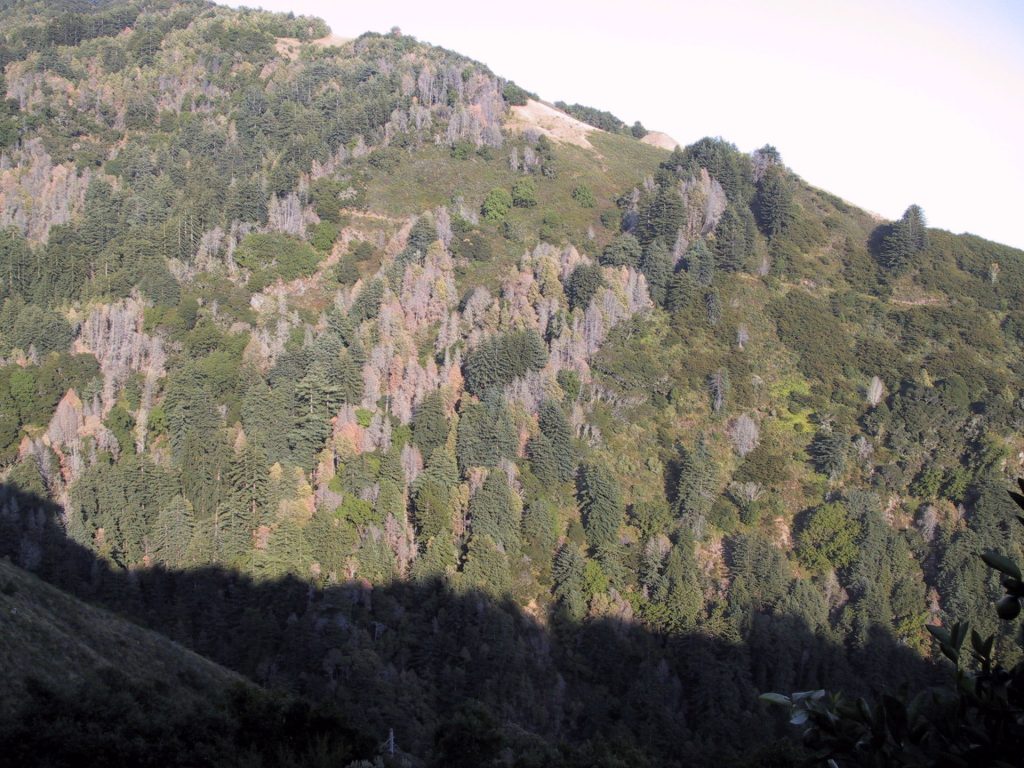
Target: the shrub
pixel 324 235
pixel 582 195
pixel 275 256
pixel 515 95
pixel 524 193
pixel 497 204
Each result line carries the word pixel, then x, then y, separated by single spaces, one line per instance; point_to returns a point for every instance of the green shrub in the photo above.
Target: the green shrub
pixel 275 256
pixel 497 204
pixel 582 195
pixel 324 235
pixel 524 193
pixel 515 95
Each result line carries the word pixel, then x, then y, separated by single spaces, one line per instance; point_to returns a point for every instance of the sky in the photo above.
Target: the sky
pixel 881 103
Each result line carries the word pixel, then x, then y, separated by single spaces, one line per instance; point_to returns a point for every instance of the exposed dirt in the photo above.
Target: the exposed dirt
pixel 331 39
pixel 289 47
pixel 659 139
pixel 553 123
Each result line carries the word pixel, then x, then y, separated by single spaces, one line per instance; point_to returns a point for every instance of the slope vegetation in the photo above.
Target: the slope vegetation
pixel 82 686
pixel 362 320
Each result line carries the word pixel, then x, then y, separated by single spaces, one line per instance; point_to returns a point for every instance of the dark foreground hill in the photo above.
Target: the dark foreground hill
pixel 453 677
pixel 83 687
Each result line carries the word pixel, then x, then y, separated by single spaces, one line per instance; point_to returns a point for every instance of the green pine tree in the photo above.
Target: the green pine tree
pixel 601 505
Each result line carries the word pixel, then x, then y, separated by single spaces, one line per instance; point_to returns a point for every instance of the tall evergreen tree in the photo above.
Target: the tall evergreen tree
pixel 485 434
pixel 774 202
pixel 430 425
pixel 656 264
pixel 318 400
pixel 247 475
pixel 601 504
pixel 543 459
pixel 732 241
pixel 555 427
pixel 570 584
pixel 700 263
pixel 172 532
pixel 487 566
pixel 495 510
pixel 904 238
pixel 697 485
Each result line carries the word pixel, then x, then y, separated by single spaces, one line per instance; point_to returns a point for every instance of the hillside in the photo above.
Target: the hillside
pixel 365 364
pixel 84 687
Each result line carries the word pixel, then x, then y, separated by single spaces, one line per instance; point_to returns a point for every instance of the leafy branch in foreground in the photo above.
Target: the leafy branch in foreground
pixel 977 720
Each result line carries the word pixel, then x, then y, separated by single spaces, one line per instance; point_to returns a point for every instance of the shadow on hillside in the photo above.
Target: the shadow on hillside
pixel 460 678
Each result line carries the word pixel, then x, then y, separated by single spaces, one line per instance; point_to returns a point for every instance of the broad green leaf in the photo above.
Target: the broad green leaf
pixel 1001 563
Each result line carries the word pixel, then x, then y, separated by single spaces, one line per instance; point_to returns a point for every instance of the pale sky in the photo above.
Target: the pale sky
pixel 882 103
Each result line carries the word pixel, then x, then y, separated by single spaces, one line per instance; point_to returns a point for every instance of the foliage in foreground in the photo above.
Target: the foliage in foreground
pixel 975 719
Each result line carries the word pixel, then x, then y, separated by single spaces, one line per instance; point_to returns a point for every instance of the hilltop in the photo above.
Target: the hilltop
pixel 368 328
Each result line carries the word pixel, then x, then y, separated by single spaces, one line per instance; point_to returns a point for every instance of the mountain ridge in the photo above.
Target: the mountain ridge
pixel 321 316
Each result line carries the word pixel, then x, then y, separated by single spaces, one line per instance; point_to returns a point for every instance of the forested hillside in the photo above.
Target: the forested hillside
pixel 353 367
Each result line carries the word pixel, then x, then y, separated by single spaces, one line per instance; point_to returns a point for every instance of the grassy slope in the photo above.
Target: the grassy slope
pixel 49 635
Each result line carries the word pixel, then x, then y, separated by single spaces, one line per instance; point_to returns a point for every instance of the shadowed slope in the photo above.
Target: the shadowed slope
pixel 424 660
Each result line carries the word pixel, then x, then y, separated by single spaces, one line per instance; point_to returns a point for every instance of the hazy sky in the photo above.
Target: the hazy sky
pixel 882 103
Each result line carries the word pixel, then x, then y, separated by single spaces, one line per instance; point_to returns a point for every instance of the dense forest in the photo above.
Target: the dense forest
pixel 513 441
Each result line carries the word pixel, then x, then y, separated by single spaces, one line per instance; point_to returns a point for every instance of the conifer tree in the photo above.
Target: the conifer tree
pixel 172 532
pixel 774 202
pixel 500 359
pixel 430 425
pixel 232 533
pixel 732 244
pixel 264 410
pixel 543 460
pixel 570 585
pixel 286 552
pixel 318 399
pixel 601 504
pixel 376 561
pixel 700 263
pixel 829 450
pixel 583 284
pixel 680 293
pixel 367 303
pixel 331 540
pixel 662 216
pixel 432 500
pixel 487 566
pixel 540 529
pixel 495 510
pixel 485 434
pixel 903 239
pixel 438 559
pixel 203 458
pixel 696 490
pixel 678 591
pixel 247 476
pixel 656 264
pixel 555 427
pixel 623 251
